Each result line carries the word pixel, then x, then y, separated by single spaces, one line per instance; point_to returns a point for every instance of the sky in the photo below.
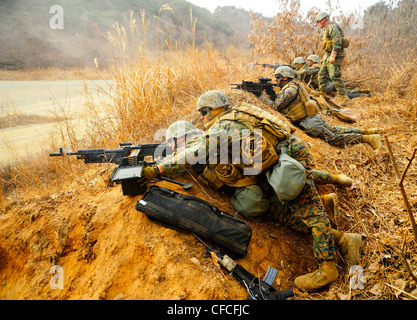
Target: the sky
pixel 269 8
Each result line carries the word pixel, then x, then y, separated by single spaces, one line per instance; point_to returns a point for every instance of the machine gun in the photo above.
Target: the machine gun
pixel 257 289
pixel 256 87
pixel 130 160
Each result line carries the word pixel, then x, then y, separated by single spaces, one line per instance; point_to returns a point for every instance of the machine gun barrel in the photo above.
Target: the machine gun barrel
pixel 130 161
pixel 114 155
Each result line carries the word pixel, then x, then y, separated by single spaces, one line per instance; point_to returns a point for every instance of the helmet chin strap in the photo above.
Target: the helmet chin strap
pixel 282 81
pixel 209 114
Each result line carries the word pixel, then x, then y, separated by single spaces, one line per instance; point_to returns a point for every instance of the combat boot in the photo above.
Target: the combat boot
pixel 342 99
pixel 374 140
pixel 313 281
pixel 369 131
pixel 349 245
pixel 332 207
pixel 343 180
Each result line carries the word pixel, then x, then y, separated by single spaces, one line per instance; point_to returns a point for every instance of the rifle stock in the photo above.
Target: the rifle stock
pixel 257 289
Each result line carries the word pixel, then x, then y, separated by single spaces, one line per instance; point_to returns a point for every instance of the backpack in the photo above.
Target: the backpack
pixel 288 177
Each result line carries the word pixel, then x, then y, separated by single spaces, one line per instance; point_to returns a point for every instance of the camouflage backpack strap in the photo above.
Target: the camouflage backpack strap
pixel 283 129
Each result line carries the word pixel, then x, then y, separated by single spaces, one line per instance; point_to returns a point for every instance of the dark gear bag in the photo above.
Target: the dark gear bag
pixel 191 214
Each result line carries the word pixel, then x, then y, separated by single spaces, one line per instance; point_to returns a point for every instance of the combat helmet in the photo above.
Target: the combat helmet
pixel 299 60
pixel 212 99
pixel 313 57
pixel 284 72
pixel 179 129
pixel 321 16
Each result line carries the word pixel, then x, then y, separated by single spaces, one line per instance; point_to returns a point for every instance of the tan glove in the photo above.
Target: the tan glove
pixel 150 172
pixel 332 58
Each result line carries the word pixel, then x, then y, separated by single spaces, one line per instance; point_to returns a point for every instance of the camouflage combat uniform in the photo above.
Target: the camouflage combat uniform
pixel 305 213
pixel 289 99
pixel 310 77
pixel 332 34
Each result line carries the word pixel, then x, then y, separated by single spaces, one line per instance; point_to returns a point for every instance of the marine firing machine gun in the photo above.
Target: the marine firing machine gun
pixel 130 160
pixel 257 88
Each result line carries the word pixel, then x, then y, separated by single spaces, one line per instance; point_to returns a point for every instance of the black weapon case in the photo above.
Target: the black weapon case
pixel 191 214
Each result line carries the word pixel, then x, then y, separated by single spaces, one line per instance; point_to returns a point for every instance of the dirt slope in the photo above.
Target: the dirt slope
pixel 109 250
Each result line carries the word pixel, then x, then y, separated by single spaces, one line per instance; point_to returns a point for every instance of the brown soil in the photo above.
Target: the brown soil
pixel 110 250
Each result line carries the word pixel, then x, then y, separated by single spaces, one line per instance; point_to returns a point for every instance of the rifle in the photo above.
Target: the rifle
pixel 130 160
pixel 257 289
pixel 256 87
pixel 273 66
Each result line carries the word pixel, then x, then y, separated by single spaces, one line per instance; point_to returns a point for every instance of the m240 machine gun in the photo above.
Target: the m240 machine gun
pixel 256 87
pixel 130 159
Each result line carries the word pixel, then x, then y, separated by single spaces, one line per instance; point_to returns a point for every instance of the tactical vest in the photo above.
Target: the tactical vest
pixel 301 106
pixel 273 128
pixel 253 117
pixel 328 42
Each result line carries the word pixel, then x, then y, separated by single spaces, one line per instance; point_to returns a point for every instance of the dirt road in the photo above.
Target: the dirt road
pixel 44 98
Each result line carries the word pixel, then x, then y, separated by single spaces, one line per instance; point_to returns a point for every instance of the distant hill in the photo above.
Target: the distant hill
pixel 27 39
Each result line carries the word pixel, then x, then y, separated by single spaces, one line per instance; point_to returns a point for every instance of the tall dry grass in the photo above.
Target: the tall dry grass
pixel 150 90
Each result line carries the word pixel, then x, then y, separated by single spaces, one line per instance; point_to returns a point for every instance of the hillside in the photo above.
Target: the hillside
pixel 28 41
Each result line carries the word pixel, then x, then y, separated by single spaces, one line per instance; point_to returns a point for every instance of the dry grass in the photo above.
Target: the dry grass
pixel 152 91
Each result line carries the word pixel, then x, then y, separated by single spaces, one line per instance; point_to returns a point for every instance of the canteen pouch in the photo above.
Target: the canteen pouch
pixel 312 108
pixel 209 177
pixel 191 214
pixel 250 202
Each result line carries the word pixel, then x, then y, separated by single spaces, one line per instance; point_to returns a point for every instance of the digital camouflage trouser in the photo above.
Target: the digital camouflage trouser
pixel 331 72
pixel 338 136
pixel 307 214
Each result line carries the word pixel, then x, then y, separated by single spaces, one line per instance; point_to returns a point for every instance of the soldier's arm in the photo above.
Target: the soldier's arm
pixel 311 70
pixel 180 161
pixel 298 150
pixel 336 37
pixel 284 98
pixel 205 149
